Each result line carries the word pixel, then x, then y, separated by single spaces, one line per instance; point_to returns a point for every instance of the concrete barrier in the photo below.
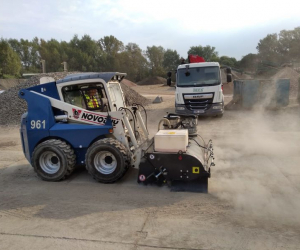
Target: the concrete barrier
pixel 267 93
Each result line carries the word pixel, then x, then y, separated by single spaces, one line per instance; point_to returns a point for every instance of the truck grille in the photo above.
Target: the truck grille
pixel 198 101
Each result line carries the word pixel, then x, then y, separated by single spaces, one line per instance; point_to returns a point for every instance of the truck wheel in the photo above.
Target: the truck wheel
pixel 53 160
pixel 107 160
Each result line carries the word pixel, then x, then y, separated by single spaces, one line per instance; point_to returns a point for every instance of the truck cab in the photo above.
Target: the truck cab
pixel 199 89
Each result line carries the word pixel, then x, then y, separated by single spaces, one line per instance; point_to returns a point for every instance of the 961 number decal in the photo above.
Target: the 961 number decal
pixel 38 124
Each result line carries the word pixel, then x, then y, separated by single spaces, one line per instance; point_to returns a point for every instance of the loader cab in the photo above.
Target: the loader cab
pixel 86 91
pixel 87 96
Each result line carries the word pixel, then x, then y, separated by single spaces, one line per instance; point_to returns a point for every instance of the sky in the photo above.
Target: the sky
pixel 233 27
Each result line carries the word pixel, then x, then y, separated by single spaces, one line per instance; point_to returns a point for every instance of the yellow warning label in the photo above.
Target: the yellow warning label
pixel 171 133
pixel 196 170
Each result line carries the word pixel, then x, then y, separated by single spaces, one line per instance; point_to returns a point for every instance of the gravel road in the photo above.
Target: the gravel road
pixel 253 200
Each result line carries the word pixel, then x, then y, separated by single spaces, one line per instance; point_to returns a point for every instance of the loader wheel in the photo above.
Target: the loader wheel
pixel 53 160
pixel 107 160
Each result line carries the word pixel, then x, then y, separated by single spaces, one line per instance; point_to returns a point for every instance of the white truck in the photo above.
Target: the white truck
pixel 199 89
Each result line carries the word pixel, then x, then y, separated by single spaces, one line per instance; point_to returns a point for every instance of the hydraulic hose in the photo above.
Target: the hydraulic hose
pixel 164 120
pixel 136 104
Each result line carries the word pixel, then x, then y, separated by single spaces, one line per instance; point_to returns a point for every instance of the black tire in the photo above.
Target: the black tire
pixel 53 160
pixel 107 160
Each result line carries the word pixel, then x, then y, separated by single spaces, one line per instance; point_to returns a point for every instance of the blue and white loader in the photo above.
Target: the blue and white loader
pixel 83 120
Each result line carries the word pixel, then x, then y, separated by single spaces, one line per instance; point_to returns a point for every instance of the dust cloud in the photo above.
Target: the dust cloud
pixel 258 167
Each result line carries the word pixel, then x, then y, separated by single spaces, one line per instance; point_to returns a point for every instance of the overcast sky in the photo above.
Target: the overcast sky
pixel 233 27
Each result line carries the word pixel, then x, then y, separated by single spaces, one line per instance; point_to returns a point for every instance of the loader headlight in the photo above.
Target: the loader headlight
pixel 217 107
pixel 180 108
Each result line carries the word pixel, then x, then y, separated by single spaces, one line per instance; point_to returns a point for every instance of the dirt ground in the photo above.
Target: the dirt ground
pixel 253 200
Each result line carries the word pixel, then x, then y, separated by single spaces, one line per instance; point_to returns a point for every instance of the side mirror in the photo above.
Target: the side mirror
pixel 228 70
pixel 169 74
pixel 229 78
pixel 169 81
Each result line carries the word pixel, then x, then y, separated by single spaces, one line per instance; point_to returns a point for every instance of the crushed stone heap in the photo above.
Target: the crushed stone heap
pixel 12 107
pixel 153 80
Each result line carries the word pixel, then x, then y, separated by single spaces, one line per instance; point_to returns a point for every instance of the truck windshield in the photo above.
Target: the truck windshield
pixel 198 76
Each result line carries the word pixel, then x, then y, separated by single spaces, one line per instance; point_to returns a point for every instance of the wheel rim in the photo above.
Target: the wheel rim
pixel 105 162
pixel 49 162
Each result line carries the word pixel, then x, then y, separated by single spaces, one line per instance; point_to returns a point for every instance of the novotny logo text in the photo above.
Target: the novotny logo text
pixel 98 119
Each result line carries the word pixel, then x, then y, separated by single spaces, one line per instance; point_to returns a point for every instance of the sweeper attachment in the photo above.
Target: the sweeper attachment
pixel 83 120
pixel 178 156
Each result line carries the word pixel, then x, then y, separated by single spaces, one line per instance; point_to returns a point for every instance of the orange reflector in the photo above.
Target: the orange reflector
pixel 111 130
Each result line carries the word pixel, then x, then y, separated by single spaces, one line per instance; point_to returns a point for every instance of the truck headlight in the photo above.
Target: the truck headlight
pixel 217 107
pixel 180 108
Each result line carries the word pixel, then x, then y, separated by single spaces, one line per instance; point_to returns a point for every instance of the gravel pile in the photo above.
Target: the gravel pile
pixel 128 83
pixel 132 96
pixel 153 80
pixel 8 83
pixel 12 107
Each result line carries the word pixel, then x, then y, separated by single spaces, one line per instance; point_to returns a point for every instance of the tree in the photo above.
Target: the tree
pixel 171 60
pixel 268 48
pixel 289 45
pixel 207 52
pixel 35 57
pixel 50 51
pixel 249 62
pixel 28 52
pixel 155 55
pixel 10 63
pixel 132 61
pixel 110 47
pixel 228 61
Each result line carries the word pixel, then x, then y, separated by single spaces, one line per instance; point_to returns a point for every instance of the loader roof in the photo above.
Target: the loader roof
pixel 106 76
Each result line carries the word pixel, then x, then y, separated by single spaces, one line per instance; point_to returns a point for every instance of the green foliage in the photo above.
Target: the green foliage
pixel 28 52
pixel 249 62
pixel 171 59
pixel 111 47
pixel 268 48
pixel 228 61
pixel 10 63
pixel 207 52
pixel 110 54
pixel 132 61
pixel 155 54
pixel 280 48
pixel 10 76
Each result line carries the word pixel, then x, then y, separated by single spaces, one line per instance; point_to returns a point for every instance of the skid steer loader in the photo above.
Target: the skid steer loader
pixel 83 120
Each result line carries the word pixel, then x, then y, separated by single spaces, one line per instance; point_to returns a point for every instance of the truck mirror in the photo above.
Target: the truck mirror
pixel 229 78
pixel 228 70
pixel 169 81
pixel 169 74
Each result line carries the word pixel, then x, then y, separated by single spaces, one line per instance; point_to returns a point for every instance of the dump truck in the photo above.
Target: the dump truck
pixel 82 119
pixel 199 87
